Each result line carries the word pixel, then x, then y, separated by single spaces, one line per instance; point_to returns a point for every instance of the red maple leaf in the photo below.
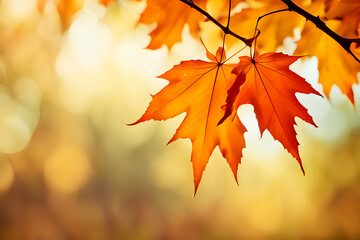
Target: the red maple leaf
pixel 268 84
pixel 199 88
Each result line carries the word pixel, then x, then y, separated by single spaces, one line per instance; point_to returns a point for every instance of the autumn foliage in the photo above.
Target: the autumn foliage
pixel 210 92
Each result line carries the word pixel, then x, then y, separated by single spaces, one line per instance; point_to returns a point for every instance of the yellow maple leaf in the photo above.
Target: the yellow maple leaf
pixel 170 17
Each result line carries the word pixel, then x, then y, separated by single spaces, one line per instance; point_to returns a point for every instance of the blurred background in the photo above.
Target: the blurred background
pixel 70 168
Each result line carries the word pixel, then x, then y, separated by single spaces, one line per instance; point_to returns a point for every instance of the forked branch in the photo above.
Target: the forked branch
pixel 225 29
pixel 344 42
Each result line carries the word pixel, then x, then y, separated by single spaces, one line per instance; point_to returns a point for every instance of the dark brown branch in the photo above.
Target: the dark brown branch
pixel 344 42
pixel 226 29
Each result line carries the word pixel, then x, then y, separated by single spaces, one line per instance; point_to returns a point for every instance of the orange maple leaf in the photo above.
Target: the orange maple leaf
pixel 268 84
pixel 66 10
pixel 335 65
pixel 199 88
pixel 171 17
pixel 338 9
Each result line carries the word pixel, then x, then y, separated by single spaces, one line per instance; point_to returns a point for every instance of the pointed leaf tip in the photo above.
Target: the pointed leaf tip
pixel 134 123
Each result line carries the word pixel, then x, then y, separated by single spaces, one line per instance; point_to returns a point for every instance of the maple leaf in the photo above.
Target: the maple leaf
pixel 336 66
pixel 268 84
pixel 337 9
pixel 199 88
pixel 171 17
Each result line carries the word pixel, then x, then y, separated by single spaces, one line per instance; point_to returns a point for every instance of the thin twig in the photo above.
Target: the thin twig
pixel 277 11
pixel 226 30
pixel 257 23
pixel 229 15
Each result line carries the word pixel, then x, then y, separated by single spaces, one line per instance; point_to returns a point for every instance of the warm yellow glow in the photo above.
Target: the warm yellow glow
pixel 81 61
pixel 66 170
pixel 85 48
pixel 17 9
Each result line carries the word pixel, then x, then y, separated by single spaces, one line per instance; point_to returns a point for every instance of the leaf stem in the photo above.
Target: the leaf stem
pixel 227 26
pixel 234 55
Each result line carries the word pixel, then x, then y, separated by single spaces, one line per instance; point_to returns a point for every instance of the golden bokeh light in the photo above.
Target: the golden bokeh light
pixel 18 117
pixel 67 170
pixel 17 9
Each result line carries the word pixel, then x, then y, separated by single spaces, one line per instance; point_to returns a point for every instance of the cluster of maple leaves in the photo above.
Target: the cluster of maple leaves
pixel 342 16
pixel 210 92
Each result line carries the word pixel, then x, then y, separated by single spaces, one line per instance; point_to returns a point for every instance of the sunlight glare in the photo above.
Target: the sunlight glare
pixel 86 47
pixel 81 61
